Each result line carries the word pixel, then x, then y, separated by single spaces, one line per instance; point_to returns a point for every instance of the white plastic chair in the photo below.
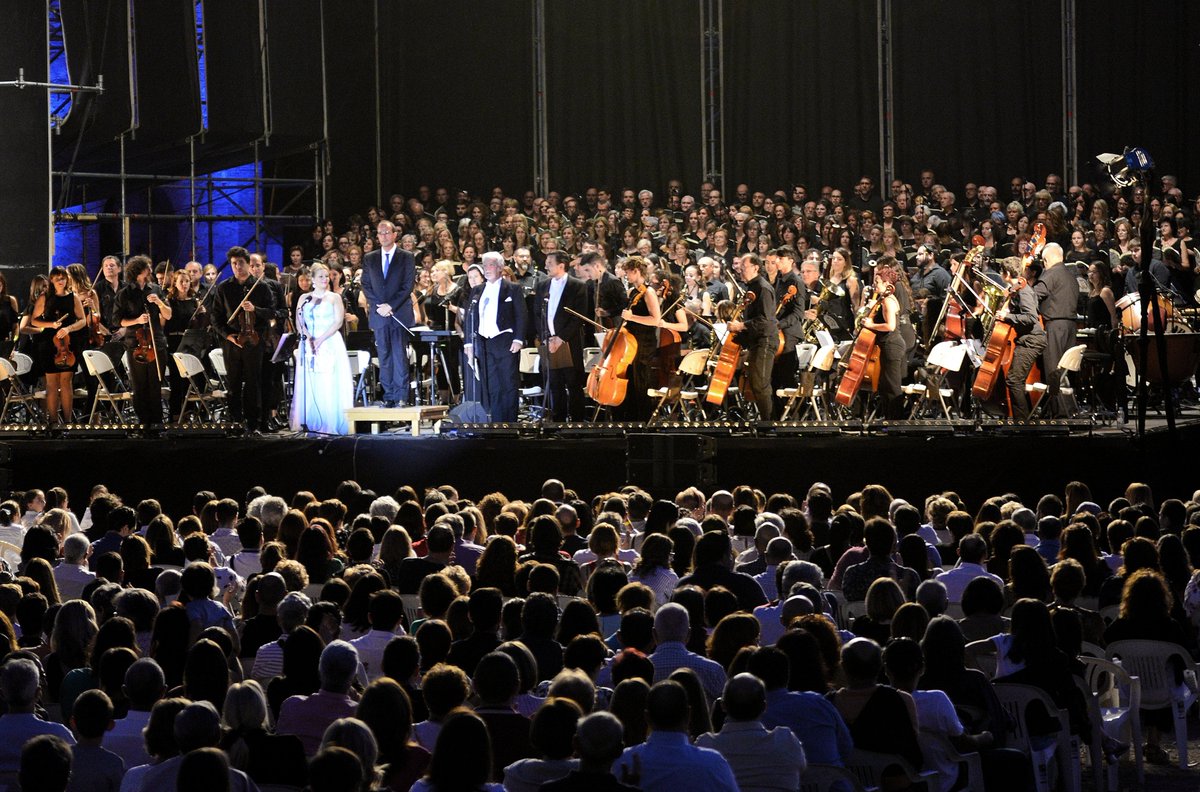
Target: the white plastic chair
pixel 412 608
pixel 1152 662
pixel 591 356
pixel 1016 700
pixel 869 767
pixel 98 364
pixel 972 760
pixel 1114 699
pixel 217 358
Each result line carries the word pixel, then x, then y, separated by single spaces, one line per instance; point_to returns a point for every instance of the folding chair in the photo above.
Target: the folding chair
pixel 804 387
pixel 360 362
pixel 929 397
pixel 199 389
pixel 17 394
pixel 98 364
pixel 217 358
pixel 1069 363
pixel 533 399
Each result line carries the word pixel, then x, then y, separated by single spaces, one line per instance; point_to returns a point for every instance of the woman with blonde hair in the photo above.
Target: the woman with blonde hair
pixel 324 388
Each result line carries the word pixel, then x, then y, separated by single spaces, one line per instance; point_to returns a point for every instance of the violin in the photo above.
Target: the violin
pixel 64 358
pixel 247 335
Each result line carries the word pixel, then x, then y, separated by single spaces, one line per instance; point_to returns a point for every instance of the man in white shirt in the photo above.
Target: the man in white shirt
pixel 225 536
pixel 72 574
pixel 144 685
pixel 383 612
pixel 497 316
pixel 557 328
pixel 972 553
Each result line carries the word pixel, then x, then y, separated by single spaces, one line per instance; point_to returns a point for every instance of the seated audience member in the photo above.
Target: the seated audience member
pixel 761 759
pixel 671 629
pixel 598 743
pixel 19 688
pixel 880 718
pixel 307 717
pixel 552 736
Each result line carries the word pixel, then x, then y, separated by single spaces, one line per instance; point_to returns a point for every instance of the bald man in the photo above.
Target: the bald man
pixel 1057 291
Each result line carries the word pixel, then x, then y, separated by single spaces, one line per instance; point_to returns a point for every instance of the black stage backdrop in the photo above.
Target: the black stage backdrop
pixel 168 71
pixel 24 157
pixel 456 95
pixel 801 93
pixel 350 73
pixel 623 94
pixel 1139 84
pixel 978 90
pixel 96 38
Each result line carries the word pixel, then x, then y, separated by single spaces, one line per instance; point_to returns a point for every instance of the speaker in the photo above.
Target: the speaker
pixel 666 463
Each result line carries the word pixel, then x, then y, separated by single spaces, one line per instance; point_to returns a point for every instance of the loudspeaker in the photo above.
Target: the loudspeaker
pixel 663 464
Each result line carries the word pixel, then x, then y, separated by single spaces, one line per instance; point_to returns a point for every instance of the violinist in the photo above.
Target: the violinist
pixel 885 322
pixel 81 285
pixel 141 309
pixel 561 335
pixel 757 333
pixel 61 312
pixel 272 375
pixel 240 313
pixel 1021 313
pixel 641 319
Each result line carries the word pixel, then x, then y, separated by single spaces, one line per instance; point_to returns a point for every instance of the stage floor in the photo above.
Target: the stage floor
pixel 912 460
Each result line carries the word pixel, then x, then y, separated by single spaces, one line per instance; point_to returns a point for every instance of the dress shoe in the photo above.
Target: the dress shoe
pixel 389 403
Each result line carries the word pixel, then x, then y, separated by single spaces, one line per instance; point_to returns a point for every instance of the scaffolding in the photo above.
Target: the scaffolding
pixel 302 204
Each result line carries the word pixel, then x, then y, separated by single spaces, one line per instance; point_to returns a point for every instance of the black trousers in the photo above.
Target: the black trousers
pixel 147 389
pixel 785 372
pixel 243 374
pixel 564 389
pixel 761 360
pixel 893 354
pixel 500 375
pixel 1060 336
pixel 1025 353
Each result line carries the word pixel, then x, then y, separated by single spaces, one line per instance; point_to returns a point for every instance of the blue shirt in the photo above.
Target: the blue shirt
pixel 668 762
pixel 670 655
pixel 814 720
pixel 16 729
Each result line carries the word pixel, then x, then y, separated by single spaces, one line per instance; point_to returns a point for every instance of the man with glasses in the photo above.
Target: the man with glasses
pixel 387 282
pixel 864 197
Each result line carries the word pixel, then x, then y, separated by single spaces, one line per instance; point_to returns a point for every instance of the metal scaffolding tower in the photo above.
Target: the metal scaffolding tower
pixel 712 88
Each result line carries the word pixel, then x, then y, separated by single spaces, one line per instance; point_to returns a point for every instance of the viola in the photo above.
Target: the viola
pixel 1032 261
pixel 729 360
pixel 145 350
pixel 95 330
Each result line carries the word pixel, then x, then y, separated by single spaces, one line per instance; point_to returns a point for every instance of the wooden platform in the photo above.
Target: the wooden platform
pixel 415 417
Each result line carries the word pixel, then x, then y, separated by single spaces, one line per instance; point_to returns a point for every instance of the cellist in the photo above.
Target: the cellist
pixel 1021 313
pixel 893 350
pixel 641 319
pixel 758 333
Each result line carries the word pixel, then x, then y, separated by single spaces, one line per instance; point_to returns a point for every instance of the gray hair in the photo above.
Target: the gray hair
pixel 356 737
pixel 75 548
pixel 339 664
pixel 385 506
pixel 671 623
pixel 802 572
pixel 933 597
pixel 293 610
pixel 168 584
pixel 269 509
pixel 19 680
pixel 494 257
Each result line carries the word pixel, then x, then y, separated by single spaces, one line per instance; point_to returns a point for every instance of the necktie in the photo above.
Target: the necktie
pixel 387 259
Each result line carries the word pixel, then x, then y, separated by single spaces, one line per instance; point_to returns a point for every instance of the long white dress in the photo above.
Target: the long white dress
pixel 324 388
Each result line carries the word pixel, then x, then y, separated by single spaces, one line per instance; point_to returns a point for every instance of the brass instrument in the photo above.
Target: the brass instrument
pixel 829 291
pixel 993 297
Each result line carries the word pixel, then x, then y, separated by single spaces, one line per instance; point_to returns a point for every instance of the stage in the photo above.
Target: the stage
pixel 911 459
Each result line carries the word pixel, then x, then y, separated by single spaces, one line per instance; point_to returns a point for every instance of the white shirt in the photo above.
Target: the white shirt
pixel 370 653
pixel 226 539
pixel 72 579
pixel 956 579
pixel 936 714
pixel 489 308
pixel 556 289
pixel 385 258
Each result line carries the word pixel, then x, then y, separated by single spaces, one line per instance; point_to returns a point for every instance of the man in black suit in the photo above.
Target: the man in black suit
pixel 609 295
pixel 388 274
pixel 757 332
pixel 789 315
pixel 1057 291
pixel 236 297
pixel 499 318
pixel 556 328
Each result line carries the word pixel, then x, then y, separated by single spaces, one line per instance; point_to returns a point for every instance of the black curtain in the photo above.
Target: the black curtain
pixel 24 159
pixel 1129 99
pixel 801 93
pixel 623 94
pixel 294 71
pixel 168 71
pixel 456 95
pixel 350 71
pixel 96 37
pixel 232 47
pixel 978 90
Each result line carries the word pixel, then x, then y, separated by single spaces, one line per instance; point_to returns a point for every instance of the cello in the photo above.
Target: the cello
pixel 1001 336
pixel 730 358
pixel 608 381
pixel 952 323
pixel 864 358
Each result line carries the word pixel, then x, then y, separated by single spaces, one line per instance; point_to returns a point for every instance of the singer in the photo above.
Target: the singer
pixel 324 388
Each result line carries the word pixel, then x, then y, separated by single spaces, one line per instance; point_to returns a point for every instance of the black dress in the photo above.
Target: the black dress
pixel 9 318
pixel 56 307
pixel 438 316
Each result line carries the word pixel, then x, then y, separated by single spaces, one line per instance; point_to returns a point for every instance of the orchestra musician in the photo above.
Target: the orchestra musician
pixel 140 304
pixel 1057 290
pixel 558 328
pixel 107 286
pixel 790 317
pixel 240 313
pixel 1021 314
pixel 893 351
pixel 608 294
pixel 272 376
pixel 61 312
pixel 641 319
pixel 756 331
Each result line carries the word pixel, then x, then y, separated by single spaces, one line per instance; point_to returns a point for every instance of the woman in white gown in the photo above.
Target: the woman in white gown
pixel 324 389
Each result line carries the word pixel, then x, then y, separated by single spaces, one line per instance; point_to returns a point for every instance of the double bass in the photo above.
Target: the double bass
pixel 864 358
pixel 729 361
pixel 952 323
pixel 1001 336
